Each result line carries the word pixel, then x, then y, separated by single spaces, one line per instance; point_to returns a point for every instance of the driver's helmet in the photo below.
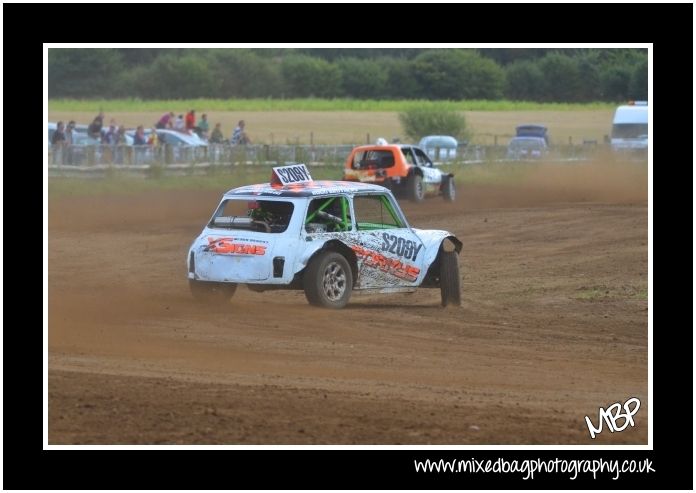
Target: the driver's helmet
pixel 255 210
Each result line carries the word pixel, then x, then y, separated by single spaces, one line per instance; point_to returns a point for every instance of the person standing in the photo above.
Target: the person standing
pixel 165 120
pixel 179 124
pixel 202 127
pixel 239 136
pixel 95 128
pixel 58 143
pixel 216 137
pixel 190 121
pixel 139 137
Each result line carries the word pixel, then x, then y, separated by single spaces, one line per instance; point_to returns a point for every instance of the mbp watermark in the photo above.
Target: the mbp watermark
pixel 612 414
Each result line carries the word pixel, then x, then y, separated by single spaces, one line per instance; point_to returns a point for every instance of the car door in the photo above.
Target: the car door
pixel 388 252
pixel 431 175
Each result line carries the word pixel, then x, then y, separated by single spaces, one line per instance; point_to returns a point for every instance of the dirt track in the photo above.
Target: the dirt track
pixel 553 326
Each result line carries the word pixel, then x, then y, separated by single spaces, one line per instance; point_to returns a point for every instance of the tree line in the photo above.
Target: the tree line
pixel 531 74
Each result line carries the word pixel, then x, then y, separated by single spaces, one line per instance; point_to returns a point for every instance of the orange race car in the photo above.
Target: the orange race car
pixel 401 168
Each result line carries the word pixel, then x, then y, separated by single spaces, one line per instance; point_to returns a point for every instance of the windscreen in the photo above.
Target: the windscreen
pixel 629 131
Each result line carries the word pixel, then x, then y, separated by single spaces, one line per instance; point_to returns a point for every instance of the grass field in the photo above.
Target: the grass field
pixel 354 127
pixel 181 105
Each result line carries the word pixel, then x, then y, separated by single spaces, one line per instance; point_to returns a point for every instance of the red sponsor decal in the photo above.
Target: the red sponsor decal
pixel 392 266
pixel 227 245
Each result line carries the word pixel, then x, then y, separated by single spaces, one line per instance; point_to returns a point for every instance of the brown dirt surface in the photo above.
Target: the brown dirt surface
pixel 553 326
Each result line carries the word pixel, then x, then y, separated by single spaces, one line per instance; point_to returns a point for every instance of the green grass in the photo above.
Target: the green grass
pixel 313 104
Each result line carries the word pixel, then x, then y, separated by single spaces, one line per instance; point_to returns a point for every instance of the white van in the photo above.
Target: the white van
pixel 630 127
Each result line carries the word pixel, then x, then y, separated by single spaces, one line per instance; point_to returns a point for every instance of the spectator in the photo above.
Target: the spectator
pixel 239 136
pixel 69 132
pixel 190 121
pixel 95 128
pixel 111 135
pixel 139 137
pixel 58 137
pixel 58 142
pixel 165 121
pixel 216 137
pixel 202 127
pixel 152 139
pixel 139 143
pixel 121 136
pixel 179 124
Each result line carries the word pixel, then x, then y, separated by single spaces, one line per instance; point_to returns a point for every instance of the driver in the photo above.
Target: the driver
pixel 270 214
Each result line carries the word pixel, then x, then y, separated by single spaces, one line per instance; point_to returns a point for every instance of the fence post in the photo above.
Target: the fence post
pixel 367 141
pixel 311 138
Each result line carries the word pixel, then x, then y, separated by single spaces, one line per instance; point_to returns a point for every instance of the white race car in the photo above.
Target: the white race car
pixel 325 237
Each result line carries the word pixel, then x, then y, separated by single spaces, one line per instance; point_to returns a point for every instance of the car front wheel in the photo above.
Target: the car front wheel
pixel 449 279
pixel 328 280
pixel 449 193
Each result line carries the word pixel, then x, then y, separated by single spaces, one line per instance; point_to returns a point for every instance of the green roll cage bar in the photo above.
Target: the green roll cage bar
pixel 345 225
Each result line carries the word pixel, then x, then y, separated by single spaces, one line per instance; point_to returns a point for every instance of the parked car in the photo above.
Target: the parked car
pixel 439 147
pixel 328 238
pixel 533 130
pixel 184 147
pixel 527 148
pixel 401 168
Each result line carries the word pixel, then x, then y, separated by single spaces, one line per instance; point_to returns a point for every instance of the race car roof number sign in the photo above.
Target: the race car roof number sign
pixel 288 175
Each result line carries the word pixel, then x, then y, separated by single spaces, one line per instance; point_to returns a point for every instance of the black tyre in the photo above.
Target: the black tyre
pixel 212 292
pixel 416 191
pixel 449 192
pixel 328 280
pixel 449 279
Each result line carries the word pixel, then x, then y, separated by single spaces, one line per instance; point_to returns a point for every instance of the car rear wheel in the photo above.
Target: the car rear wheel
pixel 212 292
pixel 328 280
pixel 416 191
pixel 449 279
pixel 448 190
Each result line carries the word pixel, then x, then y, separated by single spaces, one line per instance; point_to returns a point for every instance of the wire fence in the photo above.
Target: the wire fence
pixel 177 156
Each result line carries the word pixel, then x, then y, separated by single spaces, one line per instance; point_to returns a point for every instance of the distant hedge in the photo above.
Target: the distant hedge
pixel 564 75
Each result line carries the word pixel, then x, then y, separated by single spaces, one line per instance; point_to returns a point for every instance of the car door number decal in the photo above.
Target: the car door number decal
pixel 400 246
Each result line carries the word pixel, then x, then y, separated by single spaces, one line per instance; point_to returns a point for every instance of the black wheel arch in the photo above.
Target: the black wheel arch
pixel 432 277
pixel 339 247
pixel 415 170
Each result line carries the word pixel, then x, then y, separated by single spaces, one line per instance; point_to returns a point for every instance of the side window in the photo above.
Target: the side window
pixel 423 159
pixel 328 215
pixel 408 155
pixel 375 212
pixel 373 159
pixel 266 216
